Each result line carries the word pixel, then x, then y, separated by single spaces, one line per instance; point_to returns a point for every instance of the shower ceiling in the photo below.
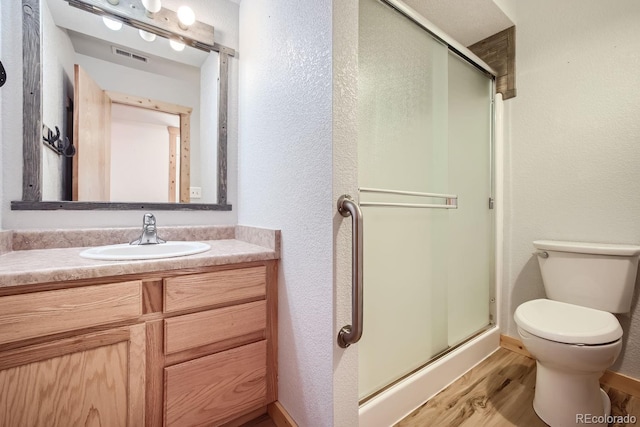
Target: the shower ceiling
pixel 467 21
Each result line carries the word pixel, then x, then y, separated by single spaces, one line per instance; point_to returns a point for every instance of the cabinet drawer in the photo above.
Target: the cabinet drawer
pixel 208 327
pixel 43 313
pixel 201 290
pixel 211 389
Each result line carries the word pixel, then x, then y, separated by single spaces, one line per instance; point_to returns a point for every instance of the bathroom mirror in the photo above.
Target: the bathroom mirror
pixel 134 158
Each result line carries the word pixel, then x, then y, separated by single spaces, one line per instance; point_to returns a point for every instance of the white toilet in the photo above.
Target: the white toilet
pixel 572 334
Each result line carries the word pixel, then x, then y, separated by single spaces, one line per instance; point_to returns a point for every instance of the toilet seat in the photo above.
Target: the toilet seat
pixel 567 323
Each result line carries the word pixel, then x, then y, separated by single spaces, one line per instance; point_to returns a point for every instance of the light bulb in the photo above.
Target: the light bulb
pixel 112 24
pixel 152 7
pixel 186 17
pixel 147 35
pixel 176 45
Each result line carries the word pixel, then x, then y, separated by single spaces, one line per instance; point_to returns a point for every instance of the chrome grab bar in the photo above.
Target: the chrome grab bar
pixel 350 334
pixel 451 199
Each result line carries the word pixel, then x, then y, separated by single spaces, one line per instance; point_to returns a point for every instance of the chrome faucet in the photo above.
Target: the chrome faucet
pixel 149 234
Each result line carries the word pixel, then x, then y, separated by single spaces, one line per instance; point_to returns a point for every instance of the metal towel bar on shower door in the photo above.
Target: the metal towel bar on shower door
pixel 350 334
pixel 451 199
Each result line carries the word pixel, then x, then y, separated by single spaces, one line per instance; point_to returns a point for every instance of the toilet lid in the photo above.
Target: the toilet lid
pixel 567 323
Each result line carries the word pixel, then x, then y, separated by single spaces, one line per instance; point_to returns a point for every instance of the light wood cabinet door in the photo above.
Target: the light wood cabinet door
pixel 215 389
pixel 89 380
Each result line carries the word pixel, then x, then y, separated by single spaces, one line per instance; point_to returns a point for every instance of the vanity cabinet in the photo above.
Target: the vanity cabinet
pixel 220 359
pixel 67 379
pixel 179 348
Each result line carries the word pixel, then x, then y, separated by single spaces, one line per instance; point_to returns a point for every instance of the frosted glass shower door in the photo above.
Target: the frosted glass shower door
pixel 424 126
pixel 470 242
pixel 402 145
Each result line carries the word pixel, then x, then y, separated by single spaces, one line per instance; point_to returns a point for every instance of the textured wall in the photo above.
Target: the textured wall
pixel 573 142
pixel 225 19
pixel 285 182
pixel 345 181
pixel 11 99
pixel 2 141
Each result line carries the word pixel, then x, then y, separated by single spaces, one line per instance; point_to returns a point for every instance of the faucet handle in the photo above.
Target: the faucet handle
pixel 149 234
pixel 148 219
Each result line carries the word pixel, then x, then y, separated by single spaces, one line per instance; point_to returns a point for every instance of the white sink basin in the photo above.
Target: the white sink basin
pixel 126 251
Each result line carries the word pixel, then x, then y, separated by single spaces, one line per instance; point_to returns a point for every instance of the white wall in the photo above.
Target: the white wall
pixel 11 137
pixel 1 127
pixel 345 181
pixel 139 162
pixel 209 127
pixel 572 142
pixel 11 97
pixel 285 182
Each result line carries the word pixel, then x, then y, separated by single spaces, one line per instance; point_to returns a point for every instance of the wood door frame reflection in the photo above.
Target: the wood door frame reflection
pixel 184 131
pixel 174 133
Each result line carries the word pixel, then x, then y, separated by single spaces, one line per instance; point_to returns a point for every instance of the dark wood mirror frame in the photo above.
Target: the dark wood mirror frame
pixel 32 131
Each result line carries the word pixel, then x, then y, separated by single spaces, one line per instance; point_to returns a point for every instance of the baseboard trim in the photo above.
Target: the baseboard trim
pixel 613 379
pixel 621 382
pixel 280 416
pixel 515 345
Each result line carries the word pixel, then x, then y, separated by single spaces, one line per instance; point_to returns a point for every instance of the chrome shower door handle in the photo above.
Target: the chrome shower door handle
pixel 350 334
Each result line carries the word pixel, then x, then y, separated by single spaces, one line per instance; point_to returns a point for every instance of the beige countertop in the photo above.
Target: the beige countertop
pixel 33 264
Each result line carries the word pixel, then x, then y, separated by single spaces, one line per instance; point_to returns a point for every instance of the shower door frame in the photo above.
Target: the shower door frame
pixel 470 58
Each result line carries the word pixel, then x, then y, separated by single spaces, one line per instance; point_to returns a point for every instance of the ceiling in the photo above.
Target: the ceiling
pixel 466 21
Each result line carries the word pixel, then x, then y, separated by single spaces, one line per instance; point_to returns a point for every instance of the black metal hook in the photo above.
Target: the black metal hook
pixel 69 150
pixel 51 138
pixel 3 75
pixel 61 146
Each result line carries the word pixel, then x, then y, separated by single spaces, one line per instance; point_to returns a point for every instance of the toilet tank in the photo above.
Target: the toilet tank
pixel 596 275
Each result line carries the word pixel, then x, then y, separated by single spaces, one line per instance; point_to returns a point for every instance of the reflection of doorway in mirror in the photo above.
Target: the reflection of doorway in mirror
pixel 124 144
pixel 144 160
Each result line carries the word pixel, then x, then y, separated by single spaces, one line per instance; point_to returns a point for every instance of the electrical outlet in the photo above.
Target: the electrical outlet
pixel 195 192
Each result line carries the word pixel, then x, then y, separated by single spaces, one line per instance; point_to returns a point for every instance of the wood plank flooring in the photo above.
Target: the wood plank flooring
pixel 498 393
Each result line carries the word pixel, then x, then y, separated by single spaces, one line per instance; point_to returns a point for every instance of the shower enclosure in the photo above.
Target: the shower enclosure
pixel 425 176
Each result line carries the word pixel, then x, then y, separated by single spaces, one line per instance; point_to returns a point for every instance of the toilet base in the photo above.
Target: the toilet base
pixel 567 399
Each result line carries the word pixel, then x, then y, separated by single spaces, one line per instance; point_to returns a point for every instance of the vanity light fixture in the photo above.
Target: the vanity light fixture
pixel 186 17
pixel 152 7
pixel 147 36
pixel 112 24
pixel 151 17
pixel 176 45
